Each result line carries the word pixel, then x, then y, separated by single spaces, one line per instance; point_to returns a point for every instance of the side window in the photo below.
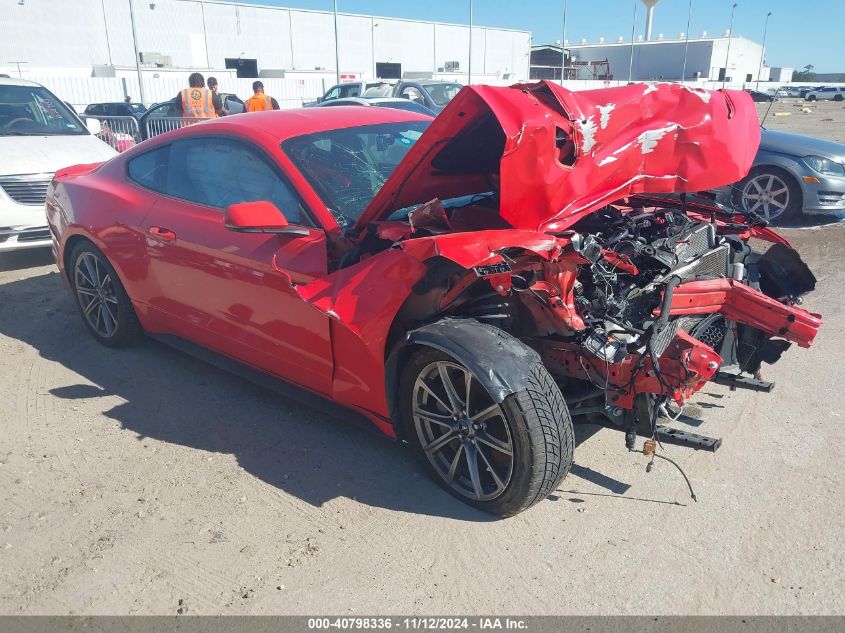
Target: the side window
pixel 150 169
pixel 218 172
pixel 334 93
pixel 352 90
pixel 409 92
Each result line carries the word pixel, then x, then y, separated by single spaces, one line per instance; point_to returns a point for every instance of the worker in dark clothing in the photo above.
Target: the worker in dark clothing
pixel 196 101
pixel 211 84
pixel 259 101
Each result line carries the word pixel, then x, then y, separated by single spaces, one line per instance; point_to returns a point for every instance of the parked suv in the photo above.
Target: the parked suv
pixel 39 134
pixel 355 89
pixel 828 93
pixel 431 93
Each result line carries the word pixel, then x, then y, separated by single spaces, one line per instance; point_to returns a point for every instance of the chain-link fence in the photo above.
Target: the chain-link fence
pixel 120 132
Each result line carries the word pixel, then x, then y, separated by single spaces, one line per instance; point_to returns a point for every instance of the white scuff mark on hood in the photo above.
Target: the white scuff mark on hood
pixel 607 161
pixel 605 111
pixel 650 88
pixel 702 94
pixel 588 128
pixel 648 139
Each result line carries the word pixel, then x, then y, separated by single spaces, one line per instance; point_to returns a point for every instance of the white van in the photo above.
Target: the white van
pixel 39 134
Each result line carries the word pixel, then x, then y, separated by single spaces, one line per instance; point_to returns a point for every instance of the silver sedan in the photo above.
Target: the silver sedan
pixel 793 174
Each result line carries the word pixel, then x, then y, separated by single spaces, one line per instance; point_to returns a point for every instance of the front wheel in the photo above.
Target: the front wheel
pixel 501 457
pixel 771 193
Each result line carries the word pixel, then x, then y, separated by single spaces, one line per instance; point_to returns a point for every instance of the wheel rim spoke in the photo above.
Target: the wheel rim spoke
pixel 495 443
pixel 440 442
pixel 485 415
pixel 472 465
pixel 435 418
pixel 430 392
pixel 500 485
pixel 449 387
pixel 453 467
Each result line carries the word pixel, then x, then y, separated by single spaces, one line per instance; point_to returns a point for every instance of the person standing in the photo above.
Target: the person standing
pixel 259 101
pixel 196 101
pixel 212 85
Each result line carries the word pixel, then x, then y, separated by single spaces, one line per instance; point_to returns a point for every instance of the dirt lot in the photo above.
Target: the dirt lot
pixel 143 481
pixel 826 119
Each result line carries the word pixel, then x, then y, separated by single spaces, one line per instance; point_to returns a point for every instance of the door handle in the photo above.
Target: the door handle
pixel 159 231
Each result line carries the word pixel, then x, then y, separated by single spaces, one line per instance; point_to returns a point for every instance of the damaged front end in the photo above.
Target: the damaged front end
pixel 569 220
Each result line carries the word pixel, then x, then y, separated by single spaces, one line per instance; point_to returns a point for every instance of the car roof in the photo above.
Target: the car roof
pixel 429 82
pixel 11 81
pixel 285 124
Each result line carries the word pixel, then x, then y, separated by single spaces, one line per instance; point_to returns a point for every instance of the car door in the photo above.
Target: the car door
pixel 229 291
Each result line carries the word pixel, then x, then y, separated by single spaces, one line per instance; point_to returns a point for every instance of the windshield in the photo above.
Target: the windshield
pixel 136 107
pixel 347 167
pixel 34 111
pixel 442 94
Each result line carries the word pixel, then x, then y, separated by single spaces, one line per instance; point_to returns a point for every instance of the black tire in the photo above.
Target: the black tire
pixel 811 98
pixel 794 207
pixel 114 305
pixel 540 435
pixel 837 98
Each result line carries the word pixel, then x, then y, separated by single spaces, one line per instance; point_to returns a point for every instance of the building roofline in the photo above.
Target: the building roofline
pixel 691 40
pixel 353 15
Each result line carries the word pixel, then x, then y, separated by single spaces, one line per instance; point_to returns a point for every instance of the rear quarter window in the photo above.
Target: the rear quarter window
pixel 150 169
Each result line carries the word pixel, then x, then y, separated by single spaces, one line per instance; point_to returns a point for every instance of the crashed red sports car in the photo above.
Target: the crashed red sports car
pixel 467 284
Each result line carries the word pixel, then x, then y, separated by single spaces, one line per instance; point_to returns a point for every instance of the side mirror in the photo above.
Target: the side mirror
pixel 94 126
pixel 259 217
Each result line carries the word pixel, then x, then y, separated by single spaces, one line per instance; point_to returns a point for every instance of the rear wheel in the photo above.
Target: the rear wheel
pixel 105 307
pixel 811 98
pixel 501 457
pixel 837 98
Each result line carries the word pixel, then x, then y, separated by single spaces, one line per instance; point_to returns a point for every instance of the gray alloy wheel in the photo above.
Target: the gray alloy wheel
pixel 768 194
pixel 96 294
pixel 463 431
pixel 101 298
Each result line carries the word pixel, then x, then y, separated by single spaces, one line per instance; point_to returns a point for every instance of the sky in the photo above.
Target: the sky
pixel 800 32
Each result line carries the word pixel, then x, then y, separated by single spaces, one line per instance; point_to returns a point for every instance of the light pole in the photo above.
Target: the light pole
pixel 336 49
pixel 563 44
pixel 728 54
pixel 137 56
pixel 686 43
pixel 633 30
pixel 763 51
pixel 469 65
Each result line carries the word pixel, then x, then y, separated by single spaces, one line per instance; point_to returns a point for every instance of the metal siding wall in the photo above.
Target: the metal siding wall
pixel 451 45
pixel 252 32
pixel 409 43
pixel 41 33
pixel 313 40
pixel 355 35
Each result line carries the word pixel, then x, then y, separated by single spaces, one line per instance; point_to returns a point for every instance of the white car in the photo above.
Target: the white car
pixel 828 93
pixel 39 135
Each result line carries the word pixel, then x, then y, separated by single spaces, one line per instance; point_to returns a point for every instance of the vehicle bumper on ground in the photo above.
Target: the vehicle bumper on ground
pixel 23 223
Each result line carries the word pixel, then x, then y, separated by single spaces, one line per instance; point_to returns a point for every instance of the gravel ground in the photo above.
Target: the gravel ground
pixel 143 481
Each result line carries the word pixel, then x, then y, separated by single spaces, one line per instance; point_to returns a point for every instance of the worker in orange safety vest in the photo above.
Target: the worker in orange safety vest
pixel 259 101
pixel 196 101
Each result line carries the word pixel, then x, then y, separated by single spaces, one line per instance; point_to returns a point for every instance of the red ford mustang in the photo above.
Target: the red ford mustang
pixel 467 284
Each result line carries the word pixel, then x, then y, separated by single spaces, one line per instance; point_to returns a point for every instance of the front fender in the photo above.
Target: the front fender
pixel 500 362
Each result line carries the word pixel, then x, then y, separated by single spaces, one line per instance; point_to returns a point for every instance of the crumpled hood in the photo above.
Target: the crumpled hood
pixel 556 155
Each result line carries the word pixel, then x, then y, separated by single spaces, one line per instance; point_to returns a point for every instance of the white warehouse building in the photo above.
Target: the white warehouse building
pixel 85 37
pixel 707 58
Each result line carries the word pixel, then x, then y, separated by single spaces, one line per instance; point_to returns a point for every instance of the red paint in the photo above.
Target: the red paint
pixel 282 303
